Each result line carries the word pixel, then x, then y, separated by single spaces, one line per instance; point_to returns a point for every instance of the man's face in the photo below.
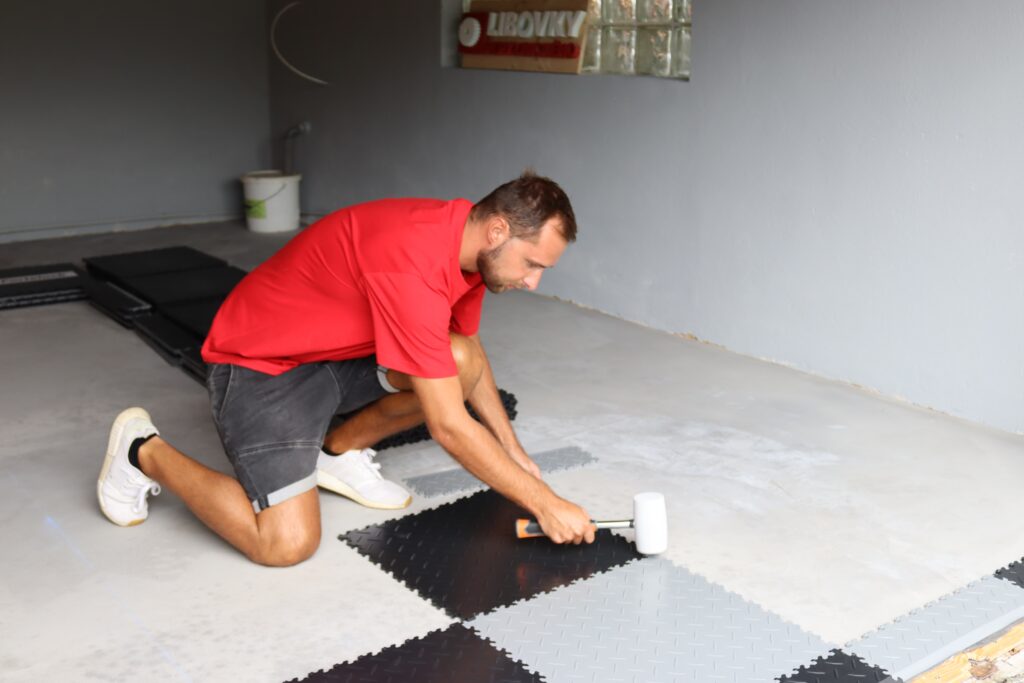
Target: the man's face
pixel 518 263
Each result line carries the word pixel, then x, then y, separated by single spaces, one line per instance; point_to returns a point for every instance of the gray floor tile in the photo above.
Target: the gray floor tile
pixel 458 479
pixel 649 621
pixel 930 635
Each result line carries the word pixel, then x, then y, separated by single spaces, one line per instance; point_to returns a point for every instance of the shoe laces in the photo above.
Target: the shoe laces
pixel 140 499
pixel 367 455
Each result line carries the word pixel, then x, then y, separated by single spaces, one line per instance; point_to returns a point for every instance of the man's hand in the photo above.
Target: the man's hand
pixel 478 451
pixel 565 522
pixel 524 461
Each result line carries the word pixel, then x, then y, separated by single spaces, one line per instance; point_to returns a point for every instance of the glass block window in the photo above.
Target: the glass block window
pixel 639 37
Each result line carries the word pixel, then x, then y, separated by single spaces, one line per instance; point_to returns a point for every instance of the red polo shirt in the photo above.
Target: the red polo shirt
pixel 381 277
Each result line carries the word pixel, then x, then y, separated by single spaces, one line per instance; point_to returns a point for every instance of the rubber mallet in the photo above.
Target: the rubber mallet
pixel 649 521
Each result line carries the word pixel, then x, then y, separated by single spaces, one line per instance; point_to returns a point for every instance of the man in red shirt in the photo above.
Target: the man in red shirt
pixel 372 310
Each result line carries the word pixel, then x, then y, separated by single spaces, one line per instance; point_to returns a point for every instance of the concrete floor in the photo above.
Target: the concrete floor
pixel 836 509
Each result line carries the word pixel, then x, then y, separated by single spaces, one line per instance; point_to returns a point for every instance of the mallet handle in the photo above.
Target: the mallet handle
pixel 615 524
pixel 529 528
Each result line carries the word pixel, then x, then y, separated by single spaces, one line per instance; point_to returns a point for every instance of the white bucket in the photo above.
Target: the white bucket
pixel 271 201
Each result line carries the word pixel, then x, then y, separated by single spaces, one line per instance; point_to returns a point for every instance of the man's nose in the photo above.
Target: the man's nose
pixel 531 281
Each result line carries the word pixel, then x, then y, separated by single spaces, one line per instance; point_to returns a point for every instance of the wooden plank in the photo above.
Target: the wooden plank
pixel 1000 660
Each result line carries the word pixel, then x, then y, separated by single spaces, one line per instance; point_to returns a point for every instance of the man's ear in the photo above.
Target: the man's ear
pixel 497 230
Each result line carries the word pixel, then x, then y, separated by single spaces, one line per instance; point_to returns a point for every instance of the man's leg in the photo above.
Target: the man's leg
pixel 271 428
pixel 400 411
pixel 281 535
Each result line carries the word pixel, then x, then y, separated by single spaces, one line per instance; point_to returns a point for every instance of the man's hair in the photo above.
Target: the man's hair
pixel 527 203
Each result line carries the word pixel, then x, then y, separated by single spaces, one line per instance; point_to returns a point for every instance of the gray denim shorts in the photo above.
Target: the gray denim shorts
pixel 273 426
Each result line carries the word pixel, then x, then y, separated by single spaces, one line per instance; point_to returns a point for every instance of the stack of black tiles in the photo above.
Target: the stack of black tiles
pixel 168 296
pixel 37 285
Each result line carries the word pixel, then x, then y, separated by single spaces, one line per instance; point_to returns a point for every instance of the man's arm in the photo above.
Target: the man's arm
pixel 487 404
pixel 478 451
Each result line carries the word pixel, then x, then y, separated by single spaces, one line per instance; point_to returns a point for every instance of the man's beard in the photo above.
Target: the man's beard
pixel 486 265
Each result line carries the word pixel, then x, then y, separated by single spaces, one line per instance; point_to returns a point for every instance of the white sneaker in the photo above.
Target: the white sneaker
pixel 122 488
pixel 354 475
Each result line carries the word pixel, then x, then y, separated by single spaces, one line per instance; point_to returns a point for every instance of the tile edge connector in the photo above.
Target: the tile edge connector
pixel 959 644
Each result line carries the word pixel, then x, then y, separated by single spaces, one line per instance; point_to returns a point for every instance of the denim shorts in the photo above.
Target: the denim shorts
pixel 273 426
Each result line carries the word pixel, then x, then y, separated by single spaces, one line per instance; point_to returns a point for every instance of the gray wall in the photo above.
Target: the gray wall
pixel 838 188
pixel 124 113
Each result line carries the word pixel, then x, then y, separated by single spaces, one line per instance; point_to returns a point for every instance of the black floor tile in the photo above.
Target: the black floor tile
pixel 195 316
pixel 193 365
pixel 115 302
pixel 838 667
pixel 166 337
pixel 465 558
pixel 1013 572
pixel 454 655
pixel 38 285
pixel 118 266
pixel 57 297
pixel 161 289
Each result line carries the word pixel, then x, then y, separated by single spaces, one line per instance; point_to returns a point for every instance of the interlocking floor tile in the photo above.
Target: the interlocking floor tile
pixel 454 655
pixel 465 558
pixel 458 479
pixel 838 667
pixel 648 622
pixel 166 338
pixel 195 316
pixel 928 636
pixel 1013 573
pixel 161 289
pixel 166 260
pixel 193 365
pixel 115 302
pixel 57 297
pixel 37 285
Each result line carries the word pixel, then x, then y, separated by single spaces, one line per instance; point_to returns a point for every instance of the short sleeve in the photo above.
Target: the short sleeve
pixel 465 318
pixel 410 325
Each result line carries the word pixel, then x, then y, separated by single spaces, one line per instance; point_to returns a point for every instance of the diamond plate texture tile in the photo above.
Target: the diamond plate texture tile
pixel 648 622
pixel 458 479
pixel 453 655
pixel 838 667
pixel 1013 572
pixel 465 558
pixel 920 640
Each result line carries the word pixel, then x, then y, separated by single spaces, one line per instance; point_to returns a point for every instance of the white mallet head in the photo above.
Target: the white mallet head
pixel 650 522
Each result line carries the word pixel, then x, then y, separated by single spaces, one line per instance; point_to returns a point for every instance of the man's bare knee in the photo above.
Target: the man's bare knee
pixel 288 532
pixel 278 550
pixel 468 359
